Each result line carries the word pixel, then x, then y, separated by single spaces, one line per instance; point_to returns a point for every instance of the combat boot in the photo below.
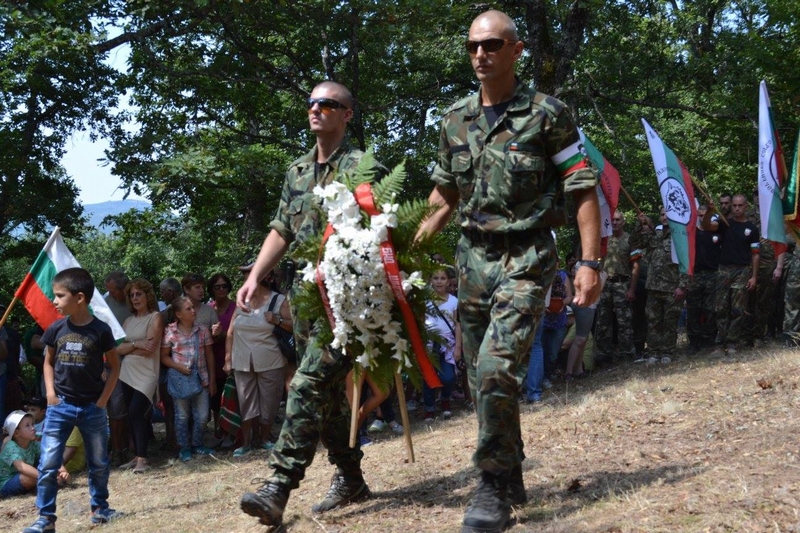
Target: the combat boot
pixel 489 511
pixel 267 503
pixel 516 487
pixel 345 488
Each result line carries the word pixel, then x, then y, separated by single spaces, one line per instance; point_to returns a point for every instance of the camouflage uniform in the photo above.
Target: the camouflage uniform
pixel 731 293
pixel 791 317
pixel 763 302
pixel 662 280
pixel 508 183
pixel 701 324
pixel 316 407
pixel 614 306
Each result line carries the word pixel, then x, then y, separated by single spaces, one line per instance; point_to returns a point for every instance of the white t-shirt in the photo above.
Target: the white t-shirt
pixel 439 323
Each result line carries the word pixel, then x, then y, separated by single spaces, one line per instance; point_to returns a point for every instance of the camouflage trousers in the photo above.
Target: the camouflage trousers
pixel 501 293
pixel 614 306
pixel 316 410
pixel 731 304
pixel 701 323
pixel 662 322
pixel 763 302
pixel 791 299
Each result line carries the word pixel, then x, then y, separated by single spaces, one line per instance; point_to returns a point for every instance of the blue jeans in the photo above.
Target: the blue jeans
pixel 533 384
pixel 447 375
pixel 197 407
pixel 61 419
pixel 551 344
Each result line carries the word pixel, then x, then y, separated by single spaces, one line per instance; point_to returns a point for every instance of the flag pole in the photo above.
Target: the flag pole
pixel 8 311
pixel 628 196
pixel 709 200
pixel 355 403
pixel 401 398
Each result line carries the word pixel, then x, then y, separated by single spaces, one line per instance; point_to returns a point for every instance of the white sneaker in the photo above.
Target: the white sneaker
pixel 411 405
pixel 377 426
pixel 396 428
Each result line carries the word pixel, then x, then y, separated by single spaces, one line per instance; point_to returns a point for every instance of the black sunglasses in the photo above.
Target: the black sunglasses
pixel 325 103
pixel 219 286
pixel 488 45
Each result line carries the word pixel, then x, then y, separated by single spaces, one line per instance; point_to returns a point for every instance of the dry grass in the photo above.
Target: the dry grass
pixel 698 445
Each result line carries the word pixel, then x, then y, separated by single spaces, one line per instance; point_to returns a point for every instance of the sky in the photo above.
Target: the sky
pixel 84 159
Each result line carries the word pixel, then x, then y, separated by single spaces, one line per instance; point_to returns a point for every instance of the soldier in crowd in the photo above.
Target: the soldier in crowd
pixel 770 272
pixel 666 288
pixel 725 201
pixel 791 298
pixel 737 275
pixel 621 264
pixel 701 324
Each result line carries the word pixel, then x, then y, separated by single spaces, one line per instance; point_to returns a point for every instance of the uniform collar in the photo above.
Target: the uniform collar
pixel 520 101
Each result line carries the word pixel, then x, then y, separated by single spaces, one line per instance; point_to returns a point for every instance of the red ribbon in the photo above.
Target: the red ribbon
pixel 389 258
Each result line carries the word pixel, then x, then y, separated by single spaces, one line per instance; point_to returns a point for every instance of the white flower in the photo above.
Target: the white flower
pixel 414 280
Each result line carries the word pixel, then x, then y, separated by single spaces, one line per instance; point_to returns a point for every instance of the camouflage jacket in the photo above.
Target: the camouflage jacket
pixel 509 175
pixel 620 256
pixel 298 212
pixel 663 274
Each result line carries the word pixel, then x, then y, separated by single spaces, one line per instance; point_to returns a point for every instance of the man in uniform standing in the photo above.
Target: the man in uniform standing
pixel 701 325
pixel 666 289
pixel 316 407
pixel 621 264
pixel 505 155
pixel 737 274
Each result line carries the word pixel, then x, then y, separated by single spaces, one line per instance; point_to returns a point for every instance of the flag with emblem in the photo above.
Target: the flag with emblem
pixel 771 175
pixel 677 196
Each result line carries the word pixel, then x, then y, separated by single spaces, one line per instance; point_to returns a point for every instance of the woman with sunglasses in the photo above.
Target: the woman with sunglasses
pixel 141 362
pixel 219 287
pixel 259 368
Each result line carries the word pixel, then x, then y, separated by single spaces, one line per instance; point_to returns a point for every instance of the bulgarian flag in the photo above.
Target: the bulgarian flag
pixel 677 195
pixel 790 213
pixel 36 291
pixel 608 188
pixel 771 175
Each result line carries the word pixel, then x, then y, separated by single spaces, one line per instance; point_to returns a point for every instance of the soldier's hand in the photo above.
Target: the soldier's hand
pixel 776 275
pixel 751 284
pixel 679 295
pixel 630 295
pixel 587 286
pixel 244 294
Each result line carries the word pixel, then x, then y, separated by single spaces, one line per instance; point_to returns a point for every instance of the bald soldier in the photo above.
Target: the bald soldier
pixel 506 155
pixel 316 407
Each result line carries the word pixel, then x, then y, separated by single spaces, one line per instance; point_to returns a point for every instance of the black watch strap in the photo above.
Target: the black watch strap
pixel 594 265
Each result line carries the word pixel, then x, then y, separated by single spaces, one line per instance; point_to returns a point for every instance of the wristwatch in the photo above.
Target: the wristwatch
pixel 594 265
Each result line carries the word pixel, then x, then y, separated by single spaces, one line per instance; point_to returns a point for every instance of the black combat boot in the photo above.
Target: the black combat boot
pixel 516 487
pixel 267 503
pixel 489 511
pixel 345 488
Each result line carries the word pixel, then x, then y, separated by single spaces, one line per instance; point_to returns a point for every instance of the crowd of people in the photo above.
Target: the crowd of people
pixel 510 320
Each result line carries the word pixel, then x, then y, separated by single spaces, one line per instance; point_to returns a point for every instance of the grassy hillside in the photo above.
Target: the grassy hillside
pixel 696 445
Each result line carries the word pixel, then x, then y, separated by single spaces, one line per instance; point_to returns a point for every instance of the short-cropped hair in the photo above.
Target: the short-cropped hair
pixel 76 280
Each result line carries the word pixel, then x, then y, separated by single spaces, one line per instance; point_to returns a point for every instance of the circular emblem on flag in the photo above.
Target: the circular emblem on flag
pixel 676 202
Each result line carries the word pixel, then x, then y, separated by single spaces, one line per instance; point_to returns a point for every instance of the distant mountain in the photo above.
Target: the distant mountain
pixel 97 212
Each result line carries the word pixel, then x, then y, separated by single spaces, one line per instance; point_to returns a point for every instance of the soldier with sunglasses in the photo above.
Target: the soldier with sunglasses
pixel 506 156
pixel 316 408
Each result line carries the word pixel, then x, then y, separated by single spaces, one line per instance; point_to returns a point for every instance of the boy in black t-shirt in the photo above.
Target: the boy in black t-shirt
pixel 76 396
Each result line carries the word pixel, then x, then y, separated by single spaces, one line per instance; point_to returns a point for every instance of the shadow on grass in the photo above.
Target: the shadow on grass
pixel 595 487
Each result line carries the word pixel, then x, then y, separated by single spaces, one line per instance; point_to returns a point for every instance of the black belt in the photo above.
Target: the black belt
pixel 619 278
pixel 500 240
